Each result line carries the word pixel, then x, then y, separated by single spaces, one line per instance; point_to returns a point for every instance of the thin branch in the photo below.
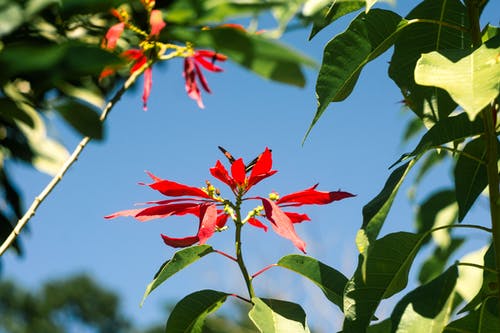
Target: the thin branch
pixel 69 162
pixel 470 264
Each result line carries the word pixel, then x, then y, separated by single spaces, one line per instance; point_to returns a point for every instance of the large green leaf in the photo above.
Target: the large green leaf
pixel 449 129
pixel 329 280
pixel 368 36
pixel 189 314
pixel 437 260
pixel 482 320
pixel 429 103
pixel 426 309
pixel 82 117
pixel 387 269
pixel 473 81
pixel 333 11
pixel 428 211
pixel 276 316
pixel 179 261
pixel 266 57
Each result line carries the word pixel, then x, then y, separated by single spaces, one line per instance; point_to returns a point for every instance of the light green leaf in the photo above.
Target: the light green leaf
pixel 11 16
pixel 426 309
pixel 276 316
pixel 266 57
pixel 437 260
pixel 329 280
pixel 179 261
pixel 82 117
pixel 189 314
pixel 470 279
pixel 473 81
pixel 368 36
pixel 387 269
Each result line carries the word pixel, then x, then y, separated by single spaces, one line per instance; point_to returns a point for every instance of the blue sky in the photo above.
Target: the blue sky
pixel 350 148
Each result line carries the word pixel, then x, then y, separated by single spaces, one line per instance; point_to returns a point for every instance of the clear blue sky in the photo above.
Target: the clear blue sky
pixel 350 149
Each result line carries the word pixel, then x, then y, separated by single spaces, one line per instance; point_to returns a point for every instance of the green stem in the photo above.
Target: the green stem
pixel 239 255
pixel 470 264
pixel 490 136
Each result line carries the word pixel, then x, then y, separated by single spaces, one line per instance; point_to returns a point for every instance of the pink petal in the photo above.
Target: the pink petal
pixel 173 189
pixel 256 223
pixel 130 212
pixel 179 242
pixel 282 224
pixel 208 222
pixel 262 168
pixel 238 171
pixel 220 172
pixel 156 22
pixel 312 197
pixel 190 81
pixel 148 82
pixel 112 36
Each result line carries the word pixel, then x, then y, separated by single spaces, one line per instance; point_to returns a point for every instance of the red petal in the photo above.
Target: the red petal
pixel 262 168
pixel 238 171
pixel 163 211
pixel 221 219
pixel 130 212
pixel 208 222
pixel 297 218
pixel 282 224
pixel 107 71
pixel 191 86
pixel 208 65
pixel 211 54
pixel 220 172
pixel 180 242
pixel 148 82
pixel 173 189
pixel 256 223
pixel 156 22
pixel 113 35
pixel 202 79
pixel 133 54
pixel 312 197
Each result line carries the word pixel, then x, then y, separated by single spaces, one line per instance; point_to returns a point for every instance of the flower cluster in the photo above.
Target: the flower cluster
pixel 213 211
pixel 151 50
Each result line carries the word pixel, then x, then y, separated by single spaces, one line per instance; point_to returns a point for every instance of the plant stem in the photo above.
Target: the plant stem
pixel 69 162
pixel 490 136
pixel 239 255
pixel 470 264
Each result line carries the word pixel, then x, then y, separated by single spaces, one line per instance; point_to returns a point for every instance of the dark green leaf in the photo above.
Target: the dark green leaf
pixel 276 316
pixel 367 37
pixel 429 209
pixel 428 307
pixel 179 261
pixel 189 314
pixel 81 59
pixel 429 103
pixel 329 280
pixel 436 262
pixel 482 320
pixel 334 11
pixel 264 56
pixel 456 128
pixel 470 175
pixel 382 327
pixel 10 112
pixel 387 269
pixel 81 117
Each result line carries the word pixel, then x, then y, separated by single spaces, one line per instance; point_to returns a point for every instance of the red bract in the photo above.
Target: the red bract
pixel 192 72
pixel 112 36
pixel 140 59
pixel 190 200
pixel 239 182
pixel 156 22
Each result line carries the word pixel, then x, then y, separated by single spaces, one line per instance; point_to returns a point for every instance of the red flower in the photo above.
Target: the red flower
pixel 140 59
pixel 238 181
pixel 112 36
pixel 194 201
pixel 192 70
pixel 156 22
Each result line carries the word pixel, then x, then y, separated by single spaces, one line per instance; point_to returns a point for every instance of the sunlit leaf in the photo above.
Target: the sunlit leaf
pixel 11 16
pixel 482 320
pixel 429 103
pixel 329 280
pixel 437 260
pixel 426 309
pixel 82 117
pixel 470 281
pixel 368 36
pixel 189 314
pixel 179 261
pixel 473 81
pixel 387 269
pixel 266 57
pixel 333 10
pixel 276 316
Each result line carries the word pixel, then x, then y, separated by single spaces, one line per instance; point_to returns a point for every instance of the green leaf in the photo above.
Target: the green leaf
pixel 429 103
pixel 189 314
pixel 10 113
pixel 387 269
pixel 179 261
pixel 473 284
pixel 426 309
pixel 436 262
pixel 333 11
pixel 11 16
pixel 449 129
pixel 82 117
pixel 473 81
pixel 381 327
pixel 428 211
pixel 375 212
pixel 276 316
pixel 266 57
pixel 329 280
pixel 368 36
pixel 470 175
pixel 482 320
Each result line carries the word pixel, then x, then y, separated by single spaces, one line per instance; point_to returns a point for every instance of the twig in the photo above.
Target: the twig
pixel 74 156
